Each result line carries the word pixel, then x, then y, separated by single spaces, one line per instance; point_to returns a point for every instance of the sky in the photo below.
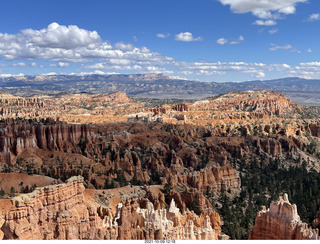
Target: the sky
pixel 205 40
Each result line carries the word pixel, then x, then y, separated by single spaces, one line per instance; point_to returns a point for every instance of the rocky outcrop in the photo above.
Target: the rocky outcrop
pixel 314 129
pixel 118 97
pixel 180 107
pixel 281 222
pixel 16 137
pixel 51 212
pixel 26 107
pixel 218 178
pixel 244 106
pixel 61 212
pixel 165 224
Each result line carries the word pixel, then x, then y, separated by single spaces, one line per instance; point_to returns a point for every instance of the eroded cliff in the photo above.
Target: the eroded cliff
pixel 61 212
pixel 281 222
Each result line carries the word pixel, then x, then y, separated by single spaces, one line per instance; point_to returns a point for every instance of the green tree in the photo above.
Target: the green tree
pixel 12 191
pixel 2 192
pixel 166 189
pixel 121 178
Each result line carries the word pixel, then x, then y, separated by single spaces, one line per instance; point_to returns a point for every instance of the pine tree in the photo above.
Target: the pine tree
pixel 2 192
pixel 12 191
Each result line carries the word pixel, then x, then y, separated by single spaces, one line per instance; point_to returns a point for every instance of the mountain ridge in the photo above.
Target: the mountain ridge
pixel 157 86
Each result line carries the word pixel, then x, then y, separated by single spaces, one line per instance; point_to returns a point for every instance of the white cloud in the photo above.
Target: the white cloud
pixel 135 39
pixel 289 47
pixel 264 9
pixel 177 78
pixel 309 50
pixel 273 31
pixel 21 64
pixel 311 64
pixel 65 44
pixel 160 35
pixel 103 57
pixel 222 41
pixel 269 22
pixel 187 37
pixel 50 73
pixel 220 68
pixel 63 64
pixel 257 70
pixel 124 46
pixel 186 72
pixel 97 72
pixel 10 75
pixel 314 17
pixel 240 39
pixel 286 66
pixel 59 36
pixel 260 74
pixel 109 66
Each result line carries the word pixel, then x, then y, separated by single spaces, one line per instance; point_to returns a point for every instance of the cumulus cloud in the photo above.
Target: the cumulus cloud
pixel 59 36
pixel 187 37
pixel 269 22
pixel 265 9
pixel 63 64
pixel 102 57
pixel 161 35
pixel 309 50
pixel 65 44
pixel 222 41
pixel 314 17
pixel 124 46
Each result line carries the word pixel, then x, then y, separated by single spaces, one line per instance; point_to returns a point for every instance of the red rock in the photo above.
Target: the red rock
pixel 281 222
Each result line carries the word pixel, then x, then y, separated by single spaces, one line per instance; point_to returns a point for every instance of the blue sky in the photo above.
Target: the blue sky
pixel 206 40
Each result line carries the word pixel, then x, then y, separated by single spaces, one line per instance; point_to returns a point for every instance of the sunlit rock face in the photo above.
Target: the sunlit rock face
pixel 281 222
pixel 61 212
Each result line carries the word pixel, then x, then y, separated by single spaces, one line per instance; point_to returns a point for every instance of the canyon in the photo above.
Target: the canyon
pixel 99 160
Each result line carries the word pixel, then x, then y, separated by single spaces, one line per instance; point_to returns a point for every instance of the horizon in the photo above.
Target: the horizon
pixel 257 41
pixel 167 76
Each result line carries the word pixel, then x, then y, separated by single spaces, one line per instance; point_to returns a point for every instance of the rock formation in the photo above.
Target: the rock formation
pixel 30 107
pixel 17 137
pixel 51 212
pixel 281 222
pixel 61 212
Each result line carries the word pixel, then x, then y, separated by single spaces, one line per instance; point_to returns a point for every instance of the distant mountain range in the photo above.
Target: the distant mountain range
pixel 158 86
